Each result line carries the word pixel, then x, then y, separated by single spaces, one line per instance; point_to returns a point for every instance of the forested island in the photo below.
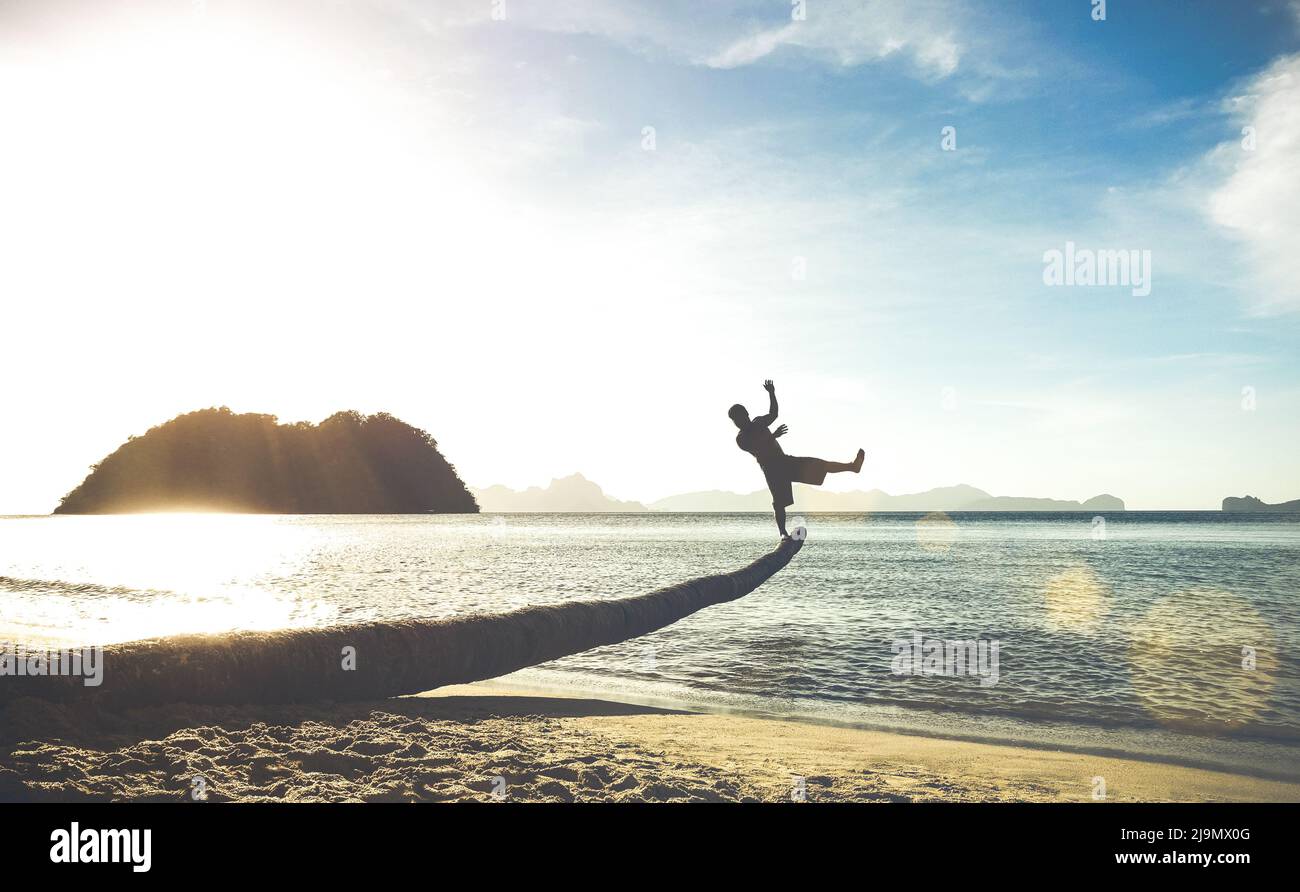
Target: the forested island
pixel 217 460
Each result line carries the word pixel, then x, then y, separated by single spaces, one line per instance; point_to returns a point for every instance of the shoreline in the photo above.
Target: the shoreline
pixel 953 727
pixel 490 742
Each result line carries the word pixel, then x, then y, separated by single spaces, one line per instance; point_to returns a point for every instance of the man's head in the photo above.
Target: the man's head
pixel 739 414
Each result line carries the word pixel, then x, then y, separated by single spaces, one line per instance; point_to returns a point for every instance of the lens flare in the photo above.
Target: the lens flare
pixel 1203 659
pixel 1076 601
pixel 936 532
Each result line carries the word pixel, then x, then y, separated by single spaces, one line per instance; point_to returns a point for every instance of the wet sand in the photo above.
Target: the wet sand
pixel 486 743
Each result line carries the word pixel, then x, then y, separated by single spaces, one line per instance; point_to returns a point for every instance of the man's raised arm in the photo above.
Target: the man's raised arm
pixel 766 420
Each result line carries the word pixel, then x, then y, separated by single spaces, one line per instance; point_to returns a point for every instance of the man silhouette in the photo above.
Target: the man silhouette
pixel 782 470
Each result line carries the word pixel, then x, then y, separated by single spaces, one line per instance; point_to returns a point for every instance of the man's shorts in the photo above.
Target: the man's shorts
pixel 792 469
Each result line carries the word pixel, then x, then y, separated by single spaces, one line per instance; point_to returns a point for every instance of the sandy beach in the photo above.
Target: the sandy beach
pixel 490 743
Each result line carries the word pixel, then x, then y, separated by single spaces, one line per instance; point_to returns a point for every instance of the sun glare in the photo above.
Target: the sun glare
pixel 203 573
pixel 263 215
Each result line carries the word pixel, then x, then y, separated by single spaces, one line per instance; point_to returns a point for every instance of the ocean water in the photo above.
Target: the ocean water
pixel 1157 634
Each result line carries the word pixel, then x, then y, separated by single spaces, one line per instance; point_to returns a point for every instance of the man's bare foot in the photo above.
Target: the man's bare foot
pixel 857 462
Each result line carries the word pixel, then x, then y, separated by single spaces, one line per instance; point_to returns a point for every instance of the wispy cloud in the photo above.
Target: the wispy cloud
pixel 933 40
pixel 928 34
pixel 1258 198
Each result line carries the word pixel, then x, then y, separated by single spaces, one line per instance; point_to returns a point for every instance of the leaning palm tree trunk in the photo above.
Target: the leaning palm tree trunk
pixel 386 658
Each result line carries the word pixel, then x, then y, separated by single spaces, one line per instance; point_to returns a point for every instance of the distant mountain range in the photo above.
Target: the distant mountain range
pixel 578 494
pixel 573 494
pixel 946 498
pixel 1250 503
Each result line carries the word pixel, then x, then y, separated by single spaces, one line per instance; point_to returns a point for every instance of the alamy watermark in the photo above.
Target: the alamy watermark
pixel 89 846
pixel 1105 268
pixel 87 662
pixel 920 655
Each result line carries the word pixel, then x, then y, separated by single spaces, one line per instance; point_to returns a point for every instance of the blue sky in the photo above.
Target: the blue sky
pixel 423 208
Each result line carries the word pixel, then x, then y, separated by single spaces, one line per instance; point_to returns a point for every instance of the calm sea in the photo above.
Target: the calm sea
pixel 1170 635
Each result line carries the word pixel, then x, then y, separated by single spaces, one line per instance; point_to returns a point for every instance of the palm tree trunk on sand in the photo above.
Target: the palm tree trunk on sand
pixel 391 658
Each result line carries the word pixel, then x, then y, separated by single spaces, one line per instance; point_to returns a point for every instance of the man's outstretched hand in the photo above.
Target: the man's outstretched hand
pixel 781 431
pixel 768 385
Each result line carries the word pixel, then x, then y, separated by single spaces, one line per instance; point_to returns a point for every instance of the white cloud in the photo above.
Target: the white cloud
pixel 1258 200
pixel 934 39
pixel 856 33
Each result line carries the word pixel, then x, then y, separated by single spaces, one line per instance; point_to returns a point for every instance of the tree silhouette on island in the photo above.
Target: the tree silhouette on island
pixel 217 460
